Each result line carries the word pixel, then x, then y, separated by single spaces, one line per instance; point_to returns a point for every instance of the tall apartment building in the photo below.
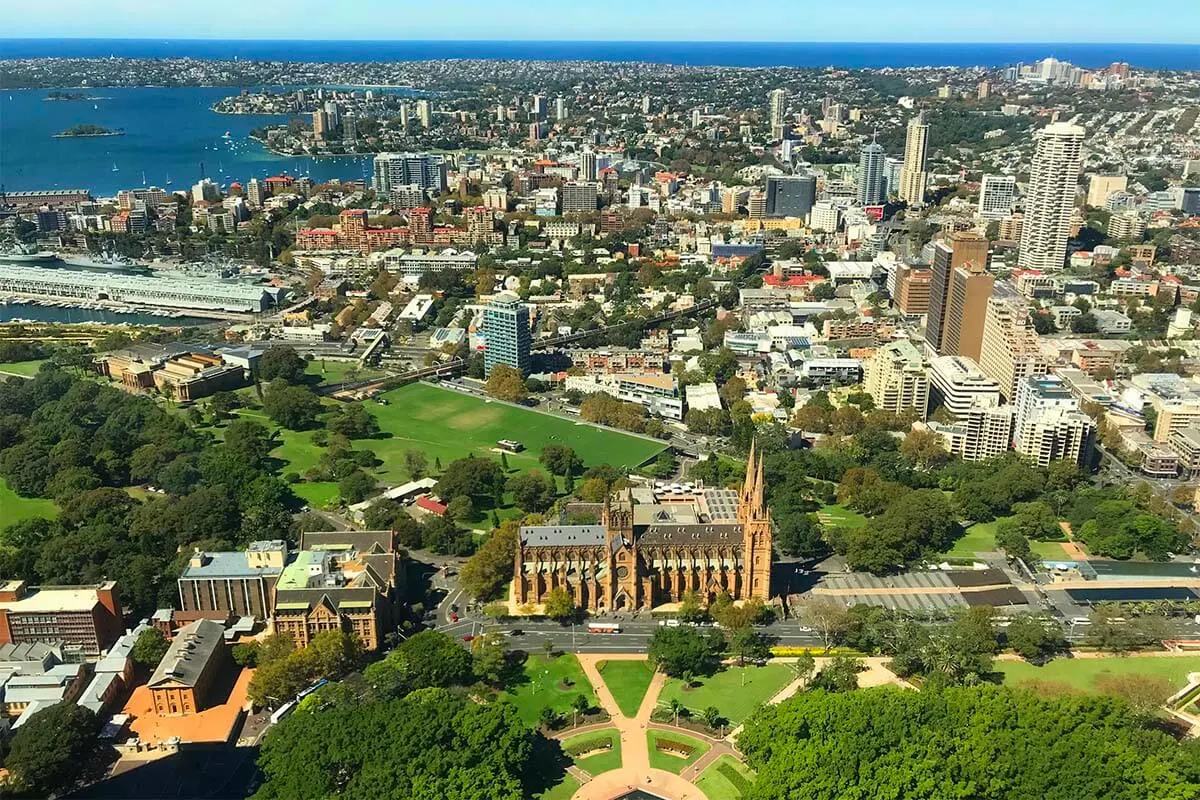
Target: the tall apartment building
pixel 913 177
pixel 1174 400
pixel 1048 425
pixel 1050 199
pixel 777 100
pixel 981 433
pixel 233 583
pixel 756 204
pixel 896 379
pixel 1010 351
pixel 958 294
pixel 587 166
pixel 506 332
pixel 913 287
pixel 1126 226
pixel 960 385
pixel 321 124
pixel 997 193
pixel 871 184
pixel 424 114
pixel 392 171
pixel 579 197
pixel 86 619
pixel 791 195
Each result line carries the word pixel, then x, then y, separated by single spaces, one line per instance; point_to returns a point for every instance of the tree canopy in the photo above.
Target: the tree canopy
pixel 981 742
pixel 430 745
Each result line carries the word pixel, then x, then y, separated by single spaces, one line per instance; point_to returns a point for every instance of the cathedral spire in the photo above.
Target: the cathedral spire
pixel 759 500
pixel 748 484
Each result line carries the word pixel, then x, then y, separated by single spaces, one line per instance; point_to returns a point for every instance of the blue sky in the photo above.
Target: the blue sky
pixel 690 20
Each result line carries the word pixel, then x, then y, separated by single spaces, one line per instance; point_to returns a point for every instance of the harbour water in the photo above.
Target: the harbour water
pixel 12 312
pixel 853 55
pixel 170 134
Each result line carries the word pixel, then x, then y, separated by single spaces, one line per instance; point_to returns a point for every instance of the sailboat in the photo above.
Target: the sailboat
pixel 168 183
pixel 115 167
pixel 143 177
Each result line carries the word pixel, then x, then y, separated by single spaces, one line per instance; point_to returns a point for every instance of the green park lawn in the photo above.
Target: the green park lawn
pixel 1081 673
pixel 981 538
pixel 317 494
pixel 726 691
pixel 668 760
pixel 447 425
pixel 725 779
pixel 602 761
pixel 26 369
pixel 544 686
pixel 333 372
pixel 628 682
pixel 563 790
pixel 840 516
pixel 14 508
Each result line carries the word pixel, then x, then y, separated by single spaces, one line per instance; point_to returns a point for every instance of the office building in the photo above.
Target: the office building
pixel 1102 187
pixel 791 195
pixel 587 166
pixel 1191 201
pixel 237 583
pixel 913 287
pixel 1050 199
pixel 506 330
pixel 393 171
pixel 959 385
pixel 184 681
pixel 424 114
pixel 580 197
pixel 997 193
pixel 1048 425
pixel 85 619
pixel 958 295
pixel 896 379
pixel 913 176
pixel 1010 351
pixel 871 184
pixel 777 100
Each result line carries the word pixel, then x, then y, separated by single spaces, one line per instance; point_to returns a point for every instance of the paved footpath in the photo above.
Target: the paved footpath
pixel 635 771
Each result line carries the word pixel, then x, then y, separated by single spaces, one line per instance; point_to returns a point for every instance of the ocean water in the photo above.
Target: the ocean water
pixel 170 133
pixel 736 54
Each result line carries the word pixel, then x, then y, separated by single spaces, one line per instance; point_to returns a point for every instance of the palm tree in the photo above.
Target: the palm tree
pixel 676 708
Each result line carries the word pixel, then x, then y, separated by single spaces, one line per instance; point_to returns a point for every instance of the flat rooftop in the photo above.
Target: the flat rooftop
pixel 50 600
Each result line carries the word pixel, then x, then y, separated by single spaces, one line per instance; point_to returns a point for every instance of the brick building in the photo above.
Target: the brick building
pixel 194 663
pixel 240 583
pixel 83 618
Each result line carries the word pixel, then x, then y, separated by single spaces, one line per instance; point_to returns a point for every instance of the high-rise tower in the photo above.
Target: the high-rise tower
pixel 1051 196
pixel 870 174
pixel 912 175
pixel 776 100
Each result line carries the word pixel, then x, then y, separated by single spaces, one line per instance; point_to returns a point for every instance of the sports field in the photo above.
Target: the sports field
pixel 446 425
pixel 14 508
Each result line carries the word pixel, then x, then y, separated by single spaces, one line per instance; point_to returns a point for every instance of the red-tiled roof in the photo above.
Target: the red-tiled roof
pixel 427 503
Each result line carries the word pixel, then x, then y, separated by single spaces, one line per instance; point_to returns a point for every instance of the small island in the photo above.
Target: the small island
pixel 78 131
pixel 69 96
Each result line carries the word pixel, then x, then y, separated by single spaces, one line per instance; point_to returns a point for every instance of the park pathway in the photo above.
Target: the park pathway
pixel 635 771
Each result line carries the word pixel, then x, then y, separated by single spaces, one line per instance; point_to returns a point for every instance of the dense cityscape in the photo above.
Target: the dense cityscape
pixel 601 430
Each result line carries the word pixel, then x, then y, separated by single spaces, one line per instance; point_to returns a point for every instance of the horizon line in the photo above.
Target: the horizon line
pixel 169 39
